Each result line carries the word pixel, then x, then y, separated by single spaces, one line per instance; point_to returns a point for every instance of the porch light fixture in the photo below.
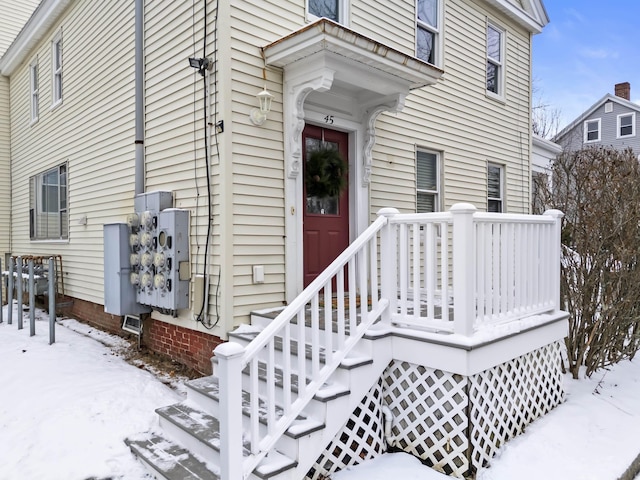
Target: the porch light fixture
pixel 201 64
pixel 259 115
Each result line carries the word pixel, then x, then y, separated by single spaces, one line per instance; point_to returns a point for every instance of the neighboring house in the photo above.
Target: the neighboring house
pixel 169 193
pixel 544 152
pixel 431 99
pixel 611 121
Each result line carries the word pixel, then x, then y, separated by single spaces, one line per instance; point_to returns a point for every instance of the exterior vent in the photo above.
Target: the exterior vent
pixel 132 324
pixel 608 107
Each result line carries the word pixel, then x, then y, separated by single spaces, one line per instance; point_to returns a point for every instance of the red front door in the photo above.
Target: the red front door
pixel 326 218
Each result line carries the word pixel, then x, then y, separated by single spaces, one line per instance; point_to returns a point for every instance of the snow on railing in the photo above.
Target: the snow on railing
pixel 453 271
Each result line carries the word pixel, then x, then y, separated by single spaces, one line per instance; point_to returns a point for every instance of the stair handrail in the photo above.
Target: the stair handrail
pixel 313 288
pixel 235 359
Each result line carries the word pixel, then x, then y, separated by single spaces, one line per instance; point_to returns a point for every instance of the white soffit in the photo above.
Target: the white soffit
pixel 531 15
pixel 325 41
pixel 43 18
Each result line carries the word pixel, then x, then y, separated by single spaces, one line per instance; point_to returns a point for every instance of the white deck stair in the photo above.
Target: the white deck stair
pixel 188 447
pixel 283 388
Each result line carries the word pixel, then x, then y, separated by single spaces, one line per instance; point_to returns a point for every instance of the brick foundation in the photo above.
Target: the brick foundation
pixel 93 314
pixel 189 347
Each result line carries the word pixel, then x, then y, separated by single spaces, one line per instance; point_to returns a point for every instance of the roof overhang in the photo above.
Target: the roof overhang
pixel 325 41
pixel 43 18
pixel 546 146
pixel 529 14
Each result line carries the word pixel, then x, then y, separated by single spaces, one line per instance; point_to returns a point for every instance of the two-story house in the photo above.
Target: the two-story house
pixel 197 162
pixel 14 15
pixel 611 121
pixel 429 100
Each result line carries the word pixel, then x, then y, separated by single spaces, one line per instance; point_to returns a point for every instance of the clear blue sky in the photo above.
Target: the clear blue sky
pixel 588 47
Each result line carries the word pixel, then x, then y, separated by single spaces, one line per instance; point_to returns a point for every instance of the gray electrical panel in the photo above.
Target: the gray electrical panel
pixel 119 296
pixel 146 260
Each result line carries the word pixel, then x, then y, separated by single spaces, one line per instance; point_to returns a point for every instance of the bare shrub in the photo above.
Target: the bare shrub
pixel 598 189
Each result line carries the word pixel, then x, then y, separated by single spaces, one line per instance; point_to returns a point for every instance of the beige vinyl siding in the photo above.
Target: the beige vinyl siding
pixel 174 135
pixel 390 23
pixel 258 164
pixel 456 117
pixel 13 15
pixel 5 178
pixel 92 130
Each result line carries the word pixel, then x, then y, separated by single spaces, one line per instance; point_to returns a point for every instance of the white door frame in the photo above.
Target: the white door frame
pixel 356 119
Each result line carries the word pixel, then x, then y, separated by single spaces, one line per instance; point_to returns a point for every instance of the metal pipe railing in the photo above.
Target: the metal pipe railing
pixel 15 285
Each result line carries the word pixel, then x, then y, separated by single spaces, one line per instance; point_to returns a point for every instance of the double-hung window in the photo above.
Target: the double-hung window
pixel 495 188
pixel 592 130
pixel 495 59
pixel 35 91
pixel 336 10
pixel 48 219
pixel 56 68
pixel 626 125
pixel 428 45
pixel 427 181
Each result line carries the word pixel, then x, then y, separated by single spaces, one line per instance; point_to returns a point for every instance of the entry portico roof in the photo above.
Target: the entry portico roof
pixel 326 38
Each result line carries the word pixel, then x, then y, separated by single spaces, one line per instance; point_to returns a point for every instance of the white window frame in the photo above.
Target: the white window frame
pixel 437 192
pixel 343 12
pixel 586 130
pixel 39 213
pixel 501 197
pixel 500 64
pixel 438 44
pixel 56 70
pixel 619 125
pixel 34 84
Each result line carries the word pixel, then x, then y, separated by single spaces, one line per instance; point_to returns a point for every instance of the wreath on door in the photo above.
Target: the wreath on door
pixel 325 172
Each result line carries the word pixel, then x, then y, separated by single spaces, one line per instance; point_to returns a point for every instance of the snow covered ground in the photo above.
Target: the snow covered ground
pixel 66 408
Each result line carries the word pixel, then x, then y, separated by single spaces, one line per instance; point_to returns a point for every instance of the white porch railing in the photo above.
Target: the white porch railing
pixel 459 270
pixel 452 271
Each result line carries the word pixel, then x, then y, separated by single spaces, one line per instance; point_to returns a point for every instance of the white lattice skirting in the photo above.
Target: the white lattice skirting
pixel 457 423
pixel 508 397
pixel 452 422
pixel 360 439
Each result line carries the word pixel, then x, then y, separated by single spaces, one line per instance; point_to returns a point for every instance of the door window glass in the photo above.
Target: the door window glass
pixel 320 205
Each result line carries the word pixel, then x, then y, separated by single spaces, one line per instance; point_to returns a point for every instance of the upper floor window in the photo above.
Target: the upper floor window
pixel 48 219
pixel 495 60
pixel 495 188
pixel 335 10
pixel 35 91
pixel 56 68
pixel 626 125
pixel 428 31
pixel 427 181
pixel 592 130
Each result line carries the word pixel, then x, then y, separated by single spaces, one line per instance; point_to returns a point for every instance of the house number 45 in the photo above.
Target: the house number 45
pixel 328 119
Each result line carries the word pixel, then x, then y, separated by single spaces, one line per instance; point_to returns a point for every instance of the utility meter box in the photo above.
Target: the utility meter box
pixel 172 253
pixel 119 296
pixel 158 243
pixel 153 201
